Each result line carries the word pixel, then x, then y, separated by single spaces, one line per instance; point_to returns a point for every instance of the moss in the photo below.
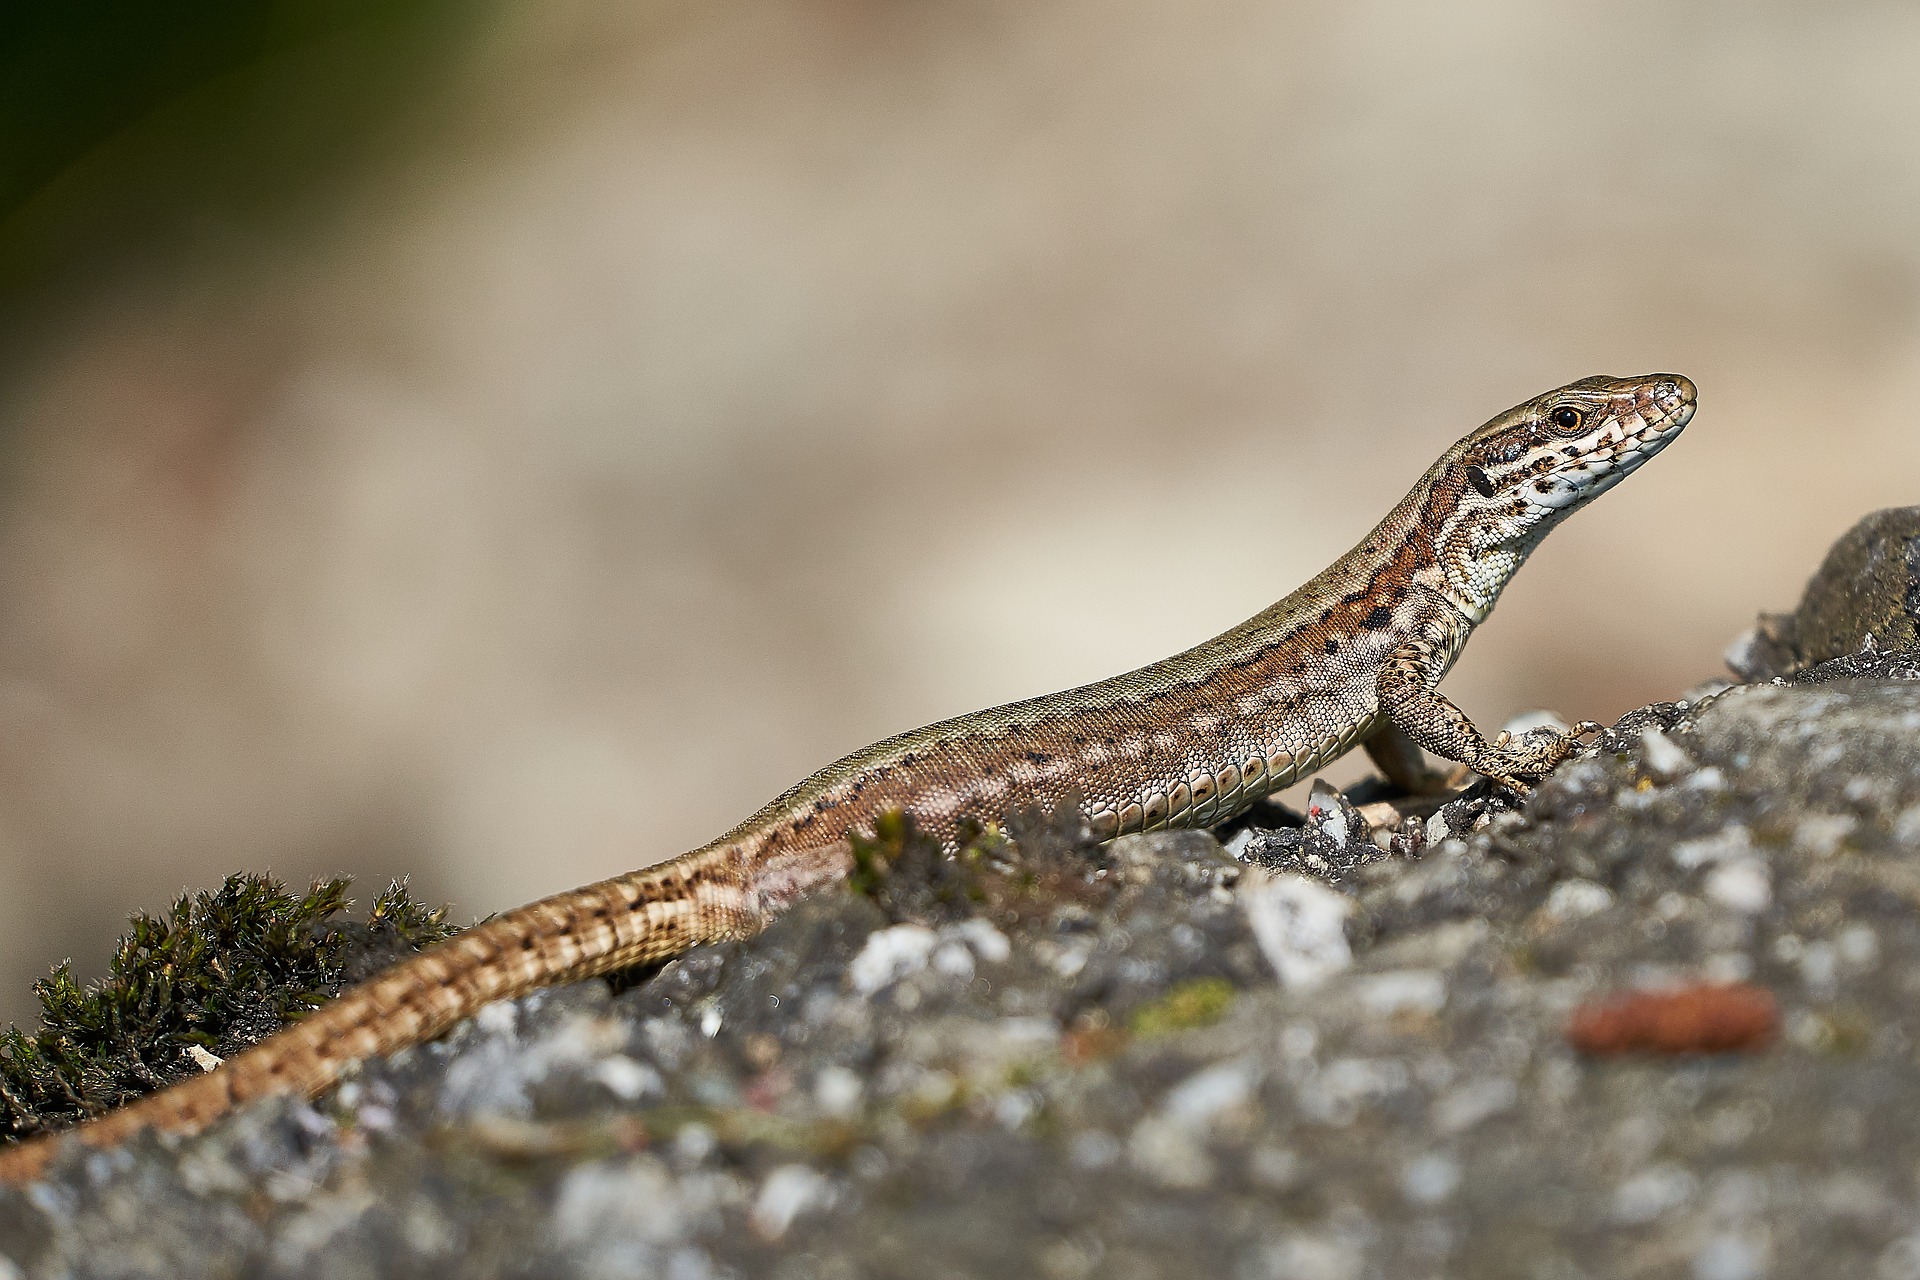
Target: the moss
pixel 1199 1003
pixel 221 971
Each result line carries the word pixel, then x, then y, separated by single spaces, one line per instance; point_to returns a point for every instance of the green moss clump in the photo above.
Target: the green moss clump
pixel 1199 1003
pixel 223 970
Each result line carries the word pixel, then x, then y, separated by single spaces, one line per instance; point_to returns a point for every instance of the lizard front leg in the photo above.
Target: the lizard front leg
pixel 1405 686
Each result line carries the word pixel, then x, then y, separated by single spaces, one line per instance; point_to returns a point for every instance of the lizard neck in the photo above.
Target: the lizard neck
pixel 1454 547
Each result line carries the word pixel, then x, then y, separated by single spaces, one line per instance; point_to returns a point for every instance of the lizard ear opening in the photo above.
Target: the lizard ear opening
pixel 1478 479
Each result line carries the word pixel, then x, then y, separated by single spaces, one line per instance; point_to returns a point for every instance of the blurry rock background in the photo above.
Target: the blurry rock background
pixel 508 443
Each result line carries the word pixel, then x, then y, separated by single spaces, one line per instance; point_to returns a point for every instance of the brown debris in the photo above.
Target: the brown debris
pixel 1705 1018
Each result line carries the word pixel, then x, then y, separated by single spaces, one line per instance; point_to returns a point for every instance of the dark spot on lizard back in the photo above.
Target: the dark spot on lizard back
pixel 1379 618
pixel 1333 646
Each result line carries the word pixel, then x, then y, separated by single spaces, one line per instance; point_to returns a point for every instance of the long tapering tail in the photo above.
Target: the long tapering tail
pixel 645 915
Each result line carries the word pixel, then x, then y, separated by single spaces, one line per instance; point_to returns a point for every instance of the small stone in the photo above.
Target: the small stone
pixel 626 1079
pixel 838 1091
pixel 1470 1103
pixel 1727 967
pixel 1906 827
pixel 1093 1149
pixel 1430 1179
pixel 1733 841
pixel 1652 1193
pixel 1305 1257
pixel 1820 835
pixel 1170 1152
pixel 1300 925
pixel 694 1143
pixel 890 955
pixel 1206 1093
pixel 789 1191
pixel 1732 1255
pixel 1743 885
pixel 1402 991
pixel 1663 757
pixel 1577 899
pixel 1858 945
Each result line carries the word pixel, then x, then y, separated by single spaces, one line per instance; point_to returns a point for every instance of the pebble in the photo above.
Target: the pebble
pixel 1577 899
pixel 1402 991
pixel 1300 925
pixel 890 955
pixel 1663 757
pixel 1743 884
pixel 789 1191
pixel 1430 1179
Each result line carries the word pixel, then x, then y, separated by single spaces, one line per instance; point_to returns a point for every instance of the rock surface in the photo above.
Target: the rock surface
pixel 1106 1077
pixel 1327 1061
pixel 1865 595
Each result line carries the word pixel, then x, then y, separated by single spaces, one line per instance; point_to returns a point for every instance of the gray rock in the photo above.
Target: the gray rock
pixel 1070 1061
pixel 1865 595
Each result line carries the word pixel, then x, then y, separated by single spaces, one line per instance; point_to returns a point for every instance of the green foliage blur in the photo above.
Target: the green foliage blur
pixel 120 119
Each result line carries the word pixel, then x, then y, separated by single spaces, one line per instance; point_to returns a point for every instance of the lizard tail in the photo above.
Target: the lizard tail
pixel 647 915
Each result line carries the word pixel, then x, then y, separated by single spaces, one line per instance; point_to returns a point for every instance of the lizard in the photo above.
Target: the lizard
pixel 1354 656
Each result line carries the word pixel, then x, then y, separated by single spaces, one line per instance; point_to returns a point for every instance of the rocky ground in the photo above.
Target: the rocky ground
pixel 1657 1020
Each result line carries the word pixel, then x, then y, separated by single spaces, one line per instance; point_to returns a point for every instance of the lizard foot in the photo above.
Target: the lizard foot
pixel 1510 762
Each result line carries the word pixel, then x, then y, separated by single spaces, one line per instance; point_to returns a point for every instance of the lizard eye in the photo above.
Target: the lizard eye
pixel 1568 419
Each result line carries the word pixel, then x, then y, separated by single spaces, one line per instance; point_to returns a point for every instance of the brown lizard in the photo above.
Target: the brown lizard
pixel 1351 657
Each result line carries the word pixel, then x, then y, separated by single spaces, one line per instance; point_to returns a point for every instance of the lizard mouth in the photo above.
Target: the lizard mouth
pixel 1644 420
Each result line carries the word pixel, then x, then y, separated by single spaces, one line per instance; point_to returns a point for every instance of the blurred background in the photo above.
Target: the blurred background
pixel 506 443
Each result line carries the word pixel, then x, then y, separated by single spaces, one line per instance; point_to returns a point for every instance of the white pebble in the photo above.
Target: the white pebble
pixel 1430 1179
pixel 1727 966
pixel 953 960
pixel 1402 991
pixel 1304 1257
pixel 1093 1149
pixel 789 1191
pixel 987 942
pixel 1578 899
pixel 1732 1255
pixel 838 1091
pixel 1743 885
pixel 1858 945
pixel 890 955
pixel 1653 1192
pixel 1206 1093
pixel 1299 923
pixel 626 1079
pixel 1821 834
pixel 1473 1102
pixel 1664 758
pixel 498 1018
pixel 1734 841
pixel 1906 827
pixel 1170 1152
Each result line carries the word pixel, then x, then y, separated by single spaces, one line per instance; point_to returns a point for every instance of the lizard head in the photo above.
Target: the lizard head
pixel 1534 465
